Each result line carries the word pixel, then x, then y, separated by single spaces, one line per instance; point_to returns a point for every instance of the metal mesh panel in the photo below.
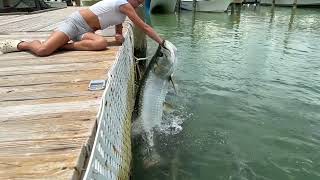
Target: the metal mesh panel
pixel 111 155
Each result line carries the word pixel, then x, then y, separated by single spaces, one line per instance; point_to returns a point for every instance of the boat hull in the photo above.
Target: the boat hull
pixel 207 5
pixel 290 2
pixel 164 6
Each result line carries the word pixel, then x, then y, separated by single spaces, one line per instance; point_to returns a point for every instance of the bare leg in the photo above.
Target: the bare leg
pixel 55 41
pixel 89 42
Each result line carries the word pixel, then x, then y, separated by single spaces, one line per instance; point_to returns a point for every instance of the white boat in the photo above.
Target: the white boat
pixel 163 6
pixel 207 5
pixel 290 2
pixel 251 1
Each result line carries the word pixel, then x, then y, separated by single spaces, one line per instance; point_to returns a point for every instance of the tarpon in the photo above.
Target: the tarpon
pixel 152 92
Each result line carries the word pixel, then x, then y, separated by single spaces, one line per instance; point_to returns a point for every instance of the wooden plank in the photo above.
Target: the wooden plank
pixel 53 166
pixel 53 68
pixel 30 60
pixel 46 91
pixel 49 78
pixel 32 36
pixel 48 126
pixel 38 147
pixel 57 100
pixel 47 114
pixel 60 57
pixel 36 22
pixel 39 159
pixel 17 18
pixel 38 109
pixel 5 18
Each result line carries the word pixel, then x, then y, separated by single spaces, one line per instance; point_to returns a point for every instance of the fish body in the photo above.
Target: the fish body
pixel 152 92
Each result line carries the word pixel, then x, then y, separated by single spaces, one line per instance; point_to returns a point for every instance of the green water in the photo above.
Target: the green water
pixel 249 96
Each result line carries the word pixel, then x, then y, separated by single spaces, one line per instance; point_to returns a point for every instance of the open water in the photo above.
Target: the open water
pixel 248 96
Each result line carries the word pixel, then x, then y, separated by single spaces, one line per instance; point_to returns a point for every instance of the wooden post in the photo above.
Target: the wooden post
pixel 194 5
pixel 233 5
pixel 273 2
pixel 78 2
pixel 178 5
pixel 37 4
pixel 290 26
pixel 6 3
pixel 295 4
pixel 140 41
pixel 193 25
pixel 293 12
pixel 140 44
pixel 272 15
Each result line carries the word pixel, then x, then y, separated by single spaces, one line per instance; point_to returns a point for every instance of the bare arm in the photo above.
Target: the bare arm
pixel 128 10
pixel 119 29
pixel 119 37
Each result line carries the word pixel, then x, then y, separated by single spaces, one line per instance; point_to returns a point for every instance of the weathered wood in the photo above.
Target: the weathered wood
pixel 295 4
pixel 41 109
pixel 39 159
pixel 52 68
pixel 58 58
pixel 13 61
pixel 47 126
pixel 47 113
pixel 35 22
pixel 45 91
pixel 33 36
pixel 49 78
pixel 5 3
pixel 52 100
pixel 16 18
pixel 140 40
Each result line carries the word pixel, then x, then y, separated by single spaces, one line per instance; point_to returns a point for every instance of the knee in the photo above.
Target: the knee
pixel 43 51
pixel 101 44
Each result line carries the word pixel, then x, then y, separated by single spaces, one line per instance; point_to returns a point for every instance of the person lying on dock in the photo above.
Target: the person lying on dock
pixel 80 27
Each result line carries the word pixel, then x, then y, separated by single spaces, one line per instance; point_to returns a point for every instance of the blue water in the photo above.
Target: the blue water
pixel 248 96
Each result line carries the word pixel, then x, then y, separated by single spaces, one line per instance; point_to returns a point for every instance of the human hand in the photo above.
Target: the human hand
pixel 119 38
pixel 162 43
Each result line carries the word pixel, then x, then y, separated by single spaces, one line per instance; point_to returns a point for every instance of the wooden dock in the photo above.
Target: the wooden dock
pixel 47 113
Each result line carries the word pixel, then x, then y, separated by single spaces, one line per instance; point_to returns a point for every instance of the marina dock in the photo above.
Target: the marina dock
pixel 48 117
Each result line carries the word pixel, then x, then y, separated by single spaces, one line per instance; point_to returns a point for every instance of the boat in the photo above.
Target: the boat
pixel 251 1
pixel 27 6
pixel 207 5
pixel 291 2
pixel 161 6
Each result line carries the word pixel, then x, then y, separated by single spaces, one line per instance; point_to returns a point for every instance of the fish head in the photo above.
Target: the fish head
pixel 166 61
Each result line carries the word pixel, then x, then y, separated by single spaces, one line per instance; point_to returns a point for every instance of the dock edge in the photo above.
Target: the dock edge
pixel 111 152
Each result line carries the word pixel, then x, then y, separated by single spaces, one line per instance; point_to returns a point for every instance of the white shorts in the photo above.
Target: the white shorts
pixel 74 27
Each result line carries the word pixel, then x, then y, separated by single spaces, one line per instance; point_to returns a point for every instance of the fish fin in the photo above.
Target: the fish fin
pixel 168 107
pixel 139 72
pixel 173 84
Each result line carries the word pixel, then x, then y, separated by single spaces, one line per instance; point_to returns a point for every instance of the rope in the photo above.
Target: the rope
pixel 142 59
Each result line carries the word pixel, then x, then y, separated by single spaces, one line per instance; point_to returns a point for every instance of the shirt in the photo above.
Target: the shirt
pixel 108 12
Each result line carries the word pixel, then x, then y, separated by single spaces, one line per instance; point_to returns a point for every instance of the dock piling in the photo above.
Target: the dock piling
pixel 194 5
pixel 295 4
pixel 178 6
